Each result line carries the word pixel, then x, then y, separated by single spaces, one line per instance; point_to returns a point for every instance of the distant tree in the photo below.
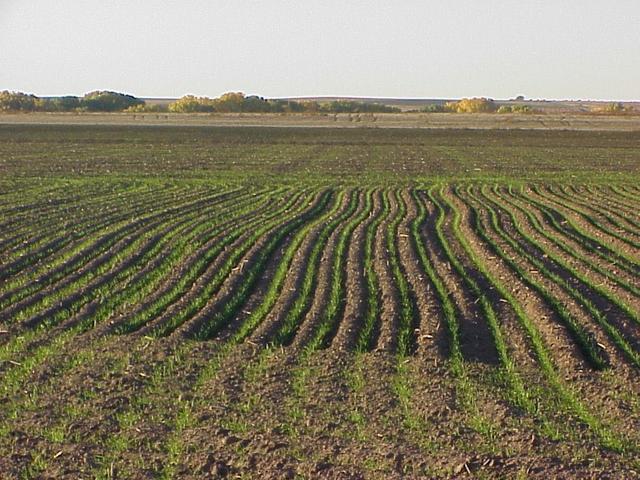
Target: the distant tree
pixel 107 101
pixel 349 106
pixel 62 104
pixel 254 103
pixel 230 102
pixel 292 106
pixel 237 102
pixel 310 106
pixel 192 104
pixel 147 108
pixel 340 106
pixel 17 102
pixel 277 106
pixel 521 109
pixel 615 107
pixel 433 108
pixel 472 105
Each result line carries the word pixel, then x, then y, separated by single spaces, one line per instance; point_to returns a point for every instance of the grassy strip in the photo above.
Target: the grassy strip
pixel 68 300
pixel 70 196
pixel 99 258
pixel 623 192
pixel 32 254
pixel 614 206
pixel 94 201
pixel 132 220
pixel 137 286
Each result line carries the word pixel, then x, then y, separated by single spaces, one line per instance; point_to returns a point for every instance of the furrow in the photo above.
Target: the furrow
pixel 565 225
pixel 589 224
pixel 357 290
pixel 476 342
pixel 301 322
pixel 193 290
pixel 209 322
pixel 588 263
pixel 430 334
pixel 332 315
pixel 311 293
pixel 389 320
pixel 87 261
pixel 370 322
pixel 294 288
pixel 614 316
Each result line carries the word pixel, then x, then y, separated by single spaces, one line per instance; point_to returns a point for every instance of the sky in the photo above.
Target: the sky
pixel 569 49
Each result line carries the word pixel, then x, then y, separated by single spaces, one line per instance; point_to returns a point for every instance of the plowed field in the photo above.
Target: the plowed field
pixel 317 303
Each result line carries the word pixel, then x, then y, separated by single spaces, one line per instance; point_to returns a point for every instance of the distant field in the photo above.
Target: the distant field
pixel 548 121
pixel 355 156
pixel 250 302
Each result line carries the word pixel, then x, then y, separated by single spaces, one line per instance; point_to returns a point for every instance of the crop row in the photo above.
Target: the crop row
pixel 207 251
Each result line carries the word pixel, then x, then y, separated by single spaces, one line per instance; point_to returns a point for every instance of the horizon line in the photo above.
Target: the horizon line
pixel 339 96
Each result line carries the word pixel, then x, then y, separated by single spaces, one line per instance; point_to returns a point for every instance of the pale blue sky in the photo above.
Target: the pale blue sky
pixel 404 48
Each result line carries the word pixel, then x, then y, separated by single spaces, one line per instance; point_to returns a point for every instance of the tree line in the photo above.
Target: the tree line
pixel 107 101
pixel 476 105
pixel 238 102
pixel 98 101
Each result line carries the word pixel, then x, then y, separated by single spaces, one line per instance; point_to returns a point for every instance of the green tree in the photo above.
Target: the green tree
pixel 107 101
pixel 350 106
pixel 433 108
pixel 255 103
pixel 63 104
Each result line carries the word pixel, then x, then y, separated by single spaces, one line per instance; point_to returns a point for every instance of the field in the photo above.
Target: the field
pixel 480 121
pixel 250 302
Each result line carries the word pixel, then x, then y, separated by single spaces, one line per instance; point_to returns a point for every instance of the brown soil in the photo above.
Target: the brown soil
pixel 100 405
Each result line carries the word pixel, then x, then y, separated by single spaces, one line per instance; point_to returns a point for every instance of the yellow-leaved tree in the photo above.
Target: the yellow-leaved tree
pixel 472 105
